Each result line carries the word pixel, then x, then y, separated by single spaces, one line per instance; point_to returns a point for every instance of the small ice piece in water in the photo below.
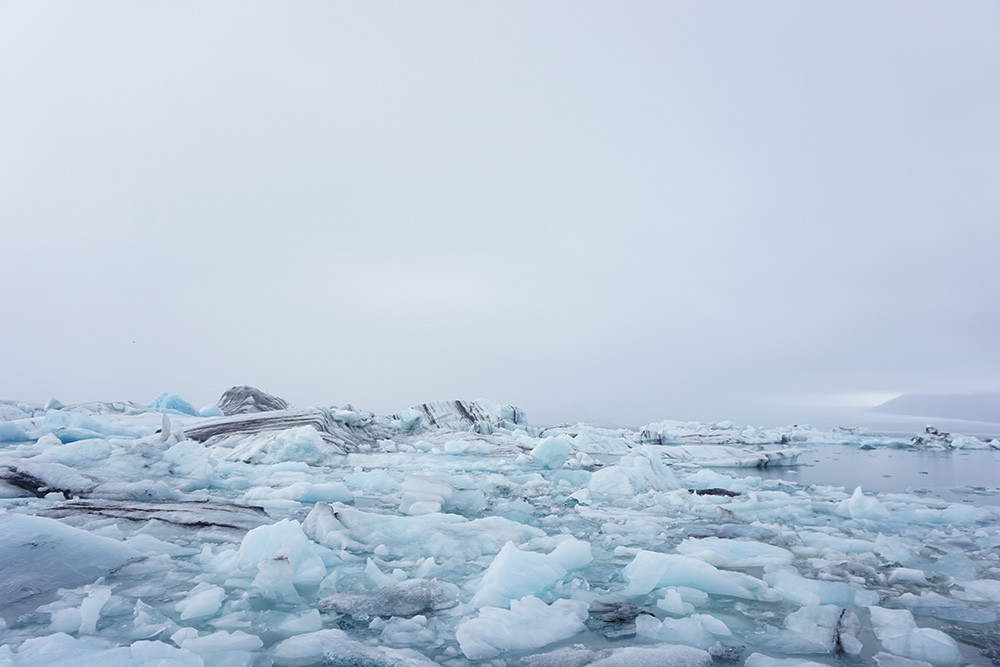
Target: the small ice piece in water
pixel 674 604
pixel 699 630
pixel 220 648
pixel 906 575
pixel 90 608
pixel 528 624
pixel 860 506
pixel 899 633
pixel 333 646
pixel 203 600
pixel 149 623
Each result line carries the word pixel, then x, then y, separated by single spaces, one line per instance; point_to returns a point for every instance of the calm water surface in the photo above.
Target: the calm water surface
pixel 955 476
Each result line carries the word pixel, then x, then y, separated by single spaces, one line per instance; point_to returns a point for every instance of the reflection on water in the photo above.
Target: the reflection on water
pixel 971 476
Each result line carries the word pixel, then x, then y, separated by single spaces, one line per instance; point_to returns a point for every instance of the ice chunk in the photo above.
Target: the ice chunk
pixel 423 494
pixel 734 553
pixel 819 629
pixel 632 475
pixel 275 580
pixel 310 621
pixel 528 624
pixel 699 630
pixel 761 660
pixel 203 600
pixel 404 631
pixel 409 598
pixel 375 480
pixel 167 402
pixel 656 655
pixel 860 506
pixel 304 492
pixel 552 452
pixel 899 633
pixel 284 539
pixel 514 573
pixel 210 410
pixel 979 590
pixel 222 647
pixel 814 592
pixel 906 575
pixel 148 623
pixel 890 660
pixel 163 655
pixel 334 646
pixel 11 432
pixel 39 554
pixel 446 535
pixel 649 570
pixel 90 608
pixel 674 604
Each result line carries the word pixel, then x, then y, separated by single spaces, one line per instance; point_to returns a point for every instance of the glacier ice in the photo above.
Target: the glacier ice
pixel 455 532
pixel 530 623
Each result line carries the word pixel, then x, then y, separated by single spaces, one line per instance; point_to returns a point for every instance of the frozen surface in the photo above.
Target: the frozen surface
pixel 455 532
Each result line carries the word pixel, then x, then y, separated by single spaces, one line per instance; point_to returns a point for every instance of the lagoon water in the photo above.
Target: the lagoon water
pixel 969 476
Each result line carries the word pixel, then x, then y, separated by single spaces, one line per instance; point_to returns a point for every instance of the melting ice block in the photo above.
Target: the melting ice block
pixel 552 452
pixel 734 553
pixel 284 539
pixel 631 476
pixel 818 629
pixel 428 535
pixel 203 600
pixel 860 506
pixel 39 554
pixel 336 647
pixel 514 573
pixel 656 655
pixel 699 630
pixel 650 569
pixel 528 624
pixel 899 633
pixel 813 592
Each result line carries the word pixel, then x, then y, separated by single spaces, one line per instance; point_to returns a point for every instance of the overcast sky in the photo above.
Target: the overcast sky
pixel 618 212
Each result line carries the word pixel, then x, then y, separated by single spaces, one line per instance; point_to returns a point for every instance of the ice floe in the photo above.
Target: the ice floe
pixel 256 532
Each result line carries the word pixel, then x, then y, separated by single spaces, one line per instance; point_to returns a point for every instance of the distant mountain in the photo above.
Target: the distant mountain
pixel 982 406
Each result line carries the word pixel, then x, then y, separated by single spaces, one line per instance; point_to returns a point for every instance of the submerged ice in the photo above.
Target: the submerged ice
pixel 253 532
